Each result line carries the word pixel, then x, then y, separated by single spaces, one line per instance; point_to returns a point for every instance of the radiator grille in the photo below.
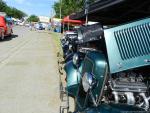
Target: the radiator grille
pixel 133 41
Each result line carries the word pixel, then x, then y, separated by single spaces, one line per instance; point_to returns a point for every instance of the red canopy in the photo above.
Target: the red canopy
pixel 68 20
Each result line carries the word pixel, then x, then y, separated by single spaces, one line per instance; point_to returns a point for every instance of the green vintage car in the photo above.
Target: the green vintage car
pixel 114 77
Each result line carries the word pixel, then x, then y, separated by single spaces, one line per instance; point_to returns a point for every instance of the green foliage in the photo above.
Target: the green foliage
pixel 33 18
pixel 56 38
pixel 10 11
pixel 3 6
pixel 69 6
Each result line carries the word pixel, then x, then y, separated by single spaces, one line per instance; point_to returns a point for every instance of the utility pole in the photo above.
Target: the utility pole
pixel 51 9
pixel 86 10
pixel 60 14
pixel 60 9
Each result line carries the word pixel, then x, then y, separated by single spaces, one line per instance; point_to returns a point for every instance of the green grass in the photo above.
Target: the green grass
pixel 56 39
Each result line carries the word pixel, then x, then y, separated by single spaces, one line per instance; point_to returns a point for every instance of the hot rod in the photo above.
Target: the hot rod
pixel 114 74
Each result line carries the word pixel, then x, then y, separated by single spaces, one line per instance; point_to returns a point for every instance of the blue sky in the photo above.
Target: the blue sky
pixel 37 7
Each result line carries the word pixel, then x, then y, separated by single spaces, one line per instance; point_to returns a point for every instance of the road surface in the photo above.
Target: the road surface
pixel 28 73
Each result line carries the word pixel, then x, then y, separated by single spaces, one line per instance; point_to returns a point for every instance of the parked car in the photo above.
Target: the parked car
pixel 39 26
pixel 44 25
pixel 114 74
pixel 68 43
pixel 27 25
pixel 7 26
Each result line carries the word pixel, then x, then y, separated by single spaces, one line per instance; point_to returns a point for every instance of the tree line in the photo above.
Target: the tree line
pixel 33 18
pixel 11 11
pixel 69 6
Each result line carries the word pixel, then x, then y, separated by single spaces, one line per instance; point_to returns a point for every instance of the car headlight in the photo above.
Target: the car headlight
pixel 75 59
pixel 87 81
pixel 70 47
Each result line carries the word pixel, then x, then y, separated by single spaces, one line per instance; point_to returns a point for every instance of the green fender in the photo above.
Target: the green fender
pixel 73 77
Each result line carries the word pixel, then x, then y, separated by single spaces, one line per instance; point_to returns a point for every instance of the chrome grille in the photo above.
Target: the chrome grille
pixel 133 41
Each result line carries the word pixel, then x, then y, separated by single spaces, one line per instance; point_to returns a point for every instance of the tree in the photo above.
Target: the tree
pixel 69 6
pixel 33 18
pixel 10 11
pixel 3 6
pixel 16 13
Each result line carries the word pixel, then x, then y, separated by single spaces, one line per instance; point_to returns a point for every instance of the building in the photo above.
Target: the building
pixel 44 19
pixel 2 14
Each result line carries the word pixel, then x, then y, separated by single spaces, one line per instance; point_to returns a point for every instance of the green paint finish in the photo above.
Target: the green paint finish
pixel 128 46
pixel 73 77
pixel 97 67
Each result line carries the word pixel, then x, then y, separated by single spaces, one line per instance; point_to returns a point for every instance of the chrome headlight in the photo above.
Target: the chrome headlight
pixel 70 47
pixel 87 81
pixel 75 59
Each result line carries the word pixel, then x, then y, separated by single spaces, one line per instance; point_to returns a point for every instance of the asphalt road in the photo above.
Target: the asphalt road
pixel 28 73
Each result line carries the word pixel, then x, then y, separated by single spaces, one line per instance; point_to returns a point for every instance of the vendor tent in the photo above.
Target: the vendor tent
pixel 68 21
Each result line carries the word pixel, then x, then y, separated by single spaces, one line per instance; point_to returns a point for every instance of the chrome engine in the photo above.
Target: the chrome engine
pixel 130 88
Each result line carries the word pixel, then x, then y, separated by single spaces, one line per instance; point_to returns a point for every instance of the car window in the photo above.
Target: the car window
pixel 7 22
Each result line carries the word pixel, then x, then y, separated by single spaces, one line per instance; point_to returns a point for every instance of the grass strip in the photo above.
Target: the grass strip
pixel 56 39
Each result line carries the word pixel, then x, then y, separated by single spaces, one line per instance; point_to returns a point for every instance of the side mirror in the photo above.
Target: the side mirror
pixel 76 60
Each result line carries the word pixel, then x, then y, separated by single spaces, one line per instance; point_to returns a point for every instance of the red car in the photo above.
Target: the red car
pixel 6 26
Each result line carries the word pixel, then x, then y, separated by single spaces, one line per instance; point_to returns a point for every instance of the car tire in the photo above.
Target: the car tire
pixel 11 33
pixel 2 36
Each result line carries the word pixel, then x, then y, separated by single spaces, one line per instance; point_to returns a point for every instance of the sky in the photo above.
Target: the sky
pixel 37 7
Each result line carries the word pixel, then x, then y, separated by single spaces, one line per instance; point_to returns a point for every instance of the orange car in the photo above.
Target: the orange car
pixel 6 26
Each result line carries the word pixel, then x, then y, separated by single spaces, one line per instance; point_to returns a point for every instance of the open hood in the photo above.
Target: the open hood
pixel 128 45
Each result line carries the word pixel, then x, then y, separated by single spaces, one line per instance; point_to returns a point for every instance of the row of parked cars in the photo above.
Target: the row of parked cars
pixel 5 28
pixel 108 68
pixel 38 26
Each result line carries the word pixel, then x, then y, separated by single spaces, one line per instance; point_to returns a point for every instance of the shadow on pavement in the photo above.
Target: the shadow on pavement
pixel 14 36
pixel 8 38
